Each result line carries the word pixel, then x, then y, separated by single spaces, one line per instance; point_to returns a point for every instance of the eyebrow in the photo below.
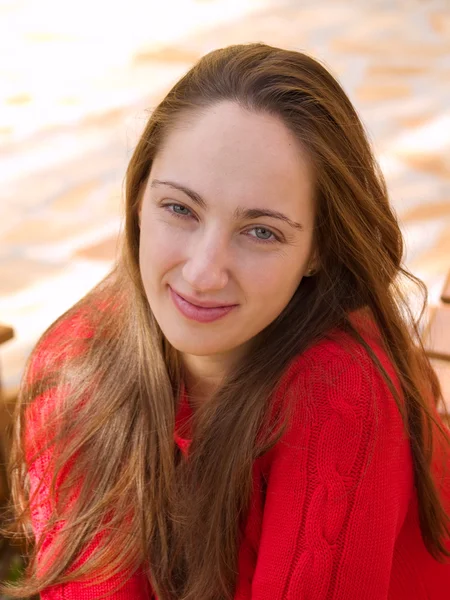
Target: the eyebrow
pixel 240 212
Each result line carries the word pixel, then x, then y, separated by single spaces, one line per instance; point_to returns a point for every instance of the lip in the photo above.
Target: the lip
pixel 198 313
pixel 200 304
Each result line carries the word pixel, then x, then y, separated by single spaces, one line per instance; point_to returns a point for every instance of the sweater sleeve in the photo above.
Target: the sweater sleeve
pixel 337 490
pixel 135 587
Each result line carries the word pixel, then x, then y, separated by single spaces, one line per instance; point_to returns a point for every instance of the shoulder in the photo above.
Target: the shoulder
pixel 42 386
pixel 339 375
pixel 340 403
pixel 61 340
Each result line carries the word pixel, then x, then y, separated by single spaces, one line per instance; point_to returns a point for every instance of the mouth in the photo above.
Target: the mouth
pixel 199 313
pixel 202 304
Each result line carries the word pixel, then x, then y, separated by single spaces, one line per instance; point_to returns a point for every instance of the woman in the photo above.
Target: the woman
pixel 242 408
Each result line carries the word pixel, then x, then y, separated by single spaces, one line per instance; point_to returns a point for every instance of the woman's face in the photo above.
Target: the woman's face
pixel 207 244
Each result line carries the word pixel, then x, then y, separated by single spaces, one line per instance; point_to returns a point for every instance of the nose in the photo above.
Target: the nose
pixel 206 268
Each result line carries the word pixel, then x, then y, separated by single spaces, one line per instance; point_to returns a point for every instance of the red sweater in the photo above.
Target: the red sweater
pixel 340 516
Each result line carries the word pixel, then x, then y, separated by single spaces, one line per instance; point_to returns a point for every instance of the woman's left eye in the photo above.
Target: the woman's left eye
pixel 187 215
pixel 176 213
pixel 265 240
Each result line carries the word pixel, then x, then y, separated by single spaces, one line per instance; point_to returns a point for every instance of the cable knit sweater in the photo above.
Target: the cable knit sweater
pixel 339 517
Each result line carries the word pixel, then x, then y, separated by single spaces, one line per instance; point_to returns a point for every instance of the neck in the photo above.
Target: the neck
pixel 203 375
pixel 199 391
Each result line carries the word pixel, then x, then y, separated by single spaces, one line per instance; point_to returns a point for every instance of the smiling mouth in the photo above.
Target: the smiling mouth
pixel 205 305
pixel 199 313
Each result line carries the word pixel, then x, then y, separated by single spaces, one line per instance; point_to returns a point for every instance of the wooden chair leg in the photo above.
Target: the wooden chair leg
pixel 445 296
pixel 442 370
pixel 436 337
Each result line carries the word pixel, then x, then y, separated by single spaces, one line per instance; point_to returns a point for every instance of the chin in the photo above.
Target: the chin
pixel 196 345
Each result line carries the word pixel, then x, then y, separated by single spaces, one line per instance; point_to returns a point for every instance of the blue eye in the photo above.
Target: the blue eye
pixel 188 214
pixel 179 206
pixel 267 231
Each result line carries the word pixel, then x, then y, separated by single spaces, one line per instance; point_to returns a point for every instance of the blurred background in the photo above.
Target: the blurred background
pixel 79 79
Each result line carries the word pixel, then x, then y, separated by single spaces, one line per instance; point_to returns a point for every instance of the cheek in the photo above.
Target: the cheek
pixel 272 287
pixel 276 277
pixel 158 247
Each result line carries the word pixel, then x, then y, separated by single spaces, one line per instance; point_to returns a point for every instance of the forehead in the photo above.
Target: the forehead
pixel 239 156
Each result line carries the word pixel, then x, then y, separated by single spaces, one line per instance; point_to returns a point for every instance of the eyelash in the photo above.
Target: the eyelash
pixel 258 240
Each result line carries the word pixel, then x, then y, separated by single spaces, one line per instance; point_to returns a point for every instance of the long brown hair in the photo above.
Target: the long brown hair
pixel 165 512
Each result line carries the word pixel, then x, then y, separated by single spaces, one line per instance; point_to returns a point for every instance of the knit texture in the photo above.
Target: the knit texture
pixel 334 512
